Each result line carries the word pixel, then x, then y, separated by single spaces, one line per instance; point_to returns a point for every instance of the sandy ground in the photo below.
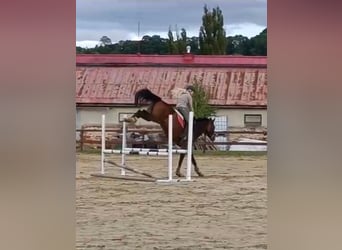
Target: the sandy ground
pixel 226 209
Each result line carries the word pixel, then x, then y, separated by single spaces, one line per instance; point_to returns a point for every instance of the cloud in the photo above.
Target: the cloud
pixel 246 29
pixel 87 44
pixel 119 19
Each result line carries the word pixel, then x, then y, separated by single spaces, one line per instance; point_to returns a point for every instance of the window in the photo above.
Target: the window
pixel 221 123
pixel 253 120
pixel 123 115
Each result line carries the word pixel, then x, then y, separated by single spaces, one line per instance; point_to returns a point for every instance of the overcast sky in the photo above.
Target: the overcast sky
pixel 118 19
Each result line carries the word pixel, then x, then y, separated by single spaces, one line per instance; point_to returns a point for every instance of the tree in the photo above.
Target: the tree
pixel 212 36
pixel 202 108
pixel 105 40
pixel 153 45
pixel 102 49
pixel 258 44
pixel 238 45
pixel 171 43
pixel 79 50
pixel 177 46
pixel 181 41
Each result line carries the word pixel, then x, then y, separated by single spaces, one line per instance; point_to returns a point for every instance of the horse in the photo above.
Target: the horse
pixel 158 111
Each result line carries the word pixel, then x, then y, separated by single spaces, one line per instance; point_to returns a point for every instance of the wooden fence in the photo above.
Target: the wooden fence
pixel 138 135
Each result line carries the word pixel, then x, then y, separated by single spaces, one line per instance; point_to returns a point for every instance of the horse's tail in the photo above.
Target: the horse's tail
pixel 146 95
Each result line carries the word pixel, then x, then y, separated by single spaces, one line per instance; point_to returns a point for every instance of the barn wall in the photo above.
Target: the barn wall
pixel 236 116
pixel 92 115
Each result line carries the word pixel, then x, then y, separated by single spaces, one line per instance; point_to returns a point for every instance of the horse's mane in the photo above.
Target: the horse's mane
pixel 145 95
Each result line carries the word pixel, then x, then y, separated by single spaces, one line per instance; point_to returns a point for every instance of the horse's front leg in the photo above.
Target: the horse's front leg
pixel 139 114
pixel 196 167
pixel 180 161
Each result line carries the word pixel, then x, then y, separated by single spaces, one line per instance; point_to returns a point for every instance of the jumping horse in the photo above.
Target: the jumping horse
pixel 158 111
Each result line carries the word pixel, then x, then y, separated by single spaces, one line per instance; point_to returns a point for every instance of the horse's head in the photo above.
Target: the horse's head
pixel 210 129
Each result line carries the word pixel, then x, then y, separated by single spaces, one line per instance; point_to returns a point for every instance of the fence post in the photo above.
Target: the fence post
pixel 81 139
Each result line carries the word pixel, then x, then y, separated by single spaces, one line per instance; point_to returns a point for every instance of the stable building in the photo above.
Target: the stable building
pixel 236 85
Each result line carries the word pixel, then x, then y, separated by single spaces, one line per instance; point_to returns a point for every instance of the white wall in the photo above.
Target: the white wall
pixel 92 115
pixel 236 116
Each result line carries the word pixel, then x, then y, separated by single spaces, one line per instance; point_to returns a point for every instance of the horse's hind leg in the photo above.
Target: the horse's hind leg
pixel 196 167
pixel 180 161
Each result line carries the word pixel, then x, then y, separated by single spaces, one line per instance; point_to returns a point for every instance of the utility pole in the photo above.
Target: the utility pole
pixel 139 39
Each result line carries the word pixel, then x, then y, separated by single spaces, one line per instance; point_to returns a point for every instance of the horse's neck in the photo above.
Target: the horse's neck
pixel 200 126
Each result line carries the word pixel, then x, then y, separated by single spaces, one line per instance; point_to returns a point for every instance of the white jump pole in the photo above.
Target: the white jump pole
pixel 189 149
pixel 170 148
pixel 169 153
pixel 103 143
pixel 123 147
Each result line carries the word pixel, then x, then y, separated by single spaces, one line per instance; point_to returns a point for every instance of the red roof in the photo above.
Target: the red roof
pixel 186 59
pixel 113 79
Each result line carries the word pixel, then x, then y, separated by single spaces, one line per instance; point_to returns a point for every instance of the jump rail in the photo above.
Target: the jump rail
pixel 147 151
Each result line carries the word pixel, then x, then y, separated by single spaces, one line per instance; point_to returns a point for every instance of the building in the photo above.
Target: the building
pixel 236 85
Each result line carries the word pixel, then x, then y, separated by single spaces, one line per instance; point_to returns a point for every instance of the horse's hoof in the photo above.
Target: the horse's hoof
pixel 200 174
pixel 179 175
pixel 131 119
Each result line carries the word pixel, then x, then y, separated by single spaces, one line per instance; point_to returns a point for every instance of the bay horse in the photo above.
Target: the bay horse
pixel 158 111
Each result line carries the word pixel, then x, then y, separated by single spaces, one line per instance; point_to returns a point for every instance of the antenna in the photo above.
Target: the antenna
pixel 139 39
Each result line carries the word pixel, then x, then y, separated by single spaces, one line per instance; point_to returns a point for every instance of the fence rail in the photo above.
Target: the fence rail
pixel 119 130
pixel 112 143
